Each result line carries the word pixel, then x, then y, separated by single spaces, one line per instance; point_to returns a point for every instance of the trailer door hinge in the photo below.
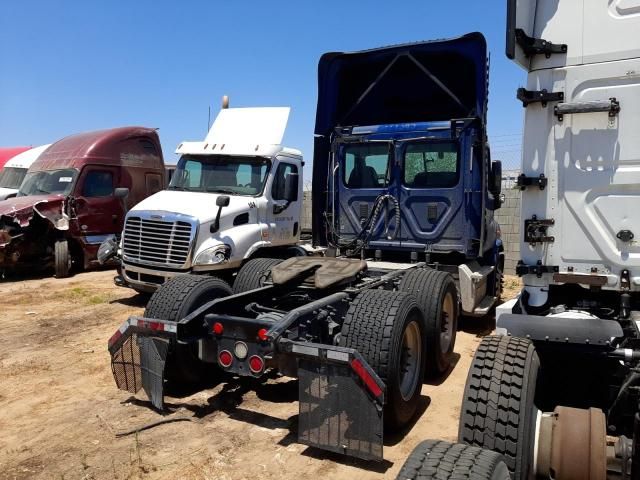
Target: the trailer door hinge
pixel 527 97
pixel 535 230
pixel 523 181
pixel 537 46
pixel 537 269
pixel 611 106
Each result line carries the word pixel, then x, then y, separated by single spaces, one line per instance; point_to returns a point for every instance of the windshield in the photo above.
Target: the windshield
pixel 48 182
pixel 11 177
pixel 233 175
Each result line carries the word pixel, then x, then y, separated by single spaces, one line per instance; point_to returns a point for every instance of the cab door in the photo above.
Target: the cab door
pixel 283 218
pixel 432 196
pixel 97 211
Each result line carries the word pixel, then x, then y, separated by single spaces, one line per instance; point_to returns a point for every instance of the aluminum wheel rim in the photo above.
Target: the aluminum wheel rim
pixel 446 330
pixel 410 359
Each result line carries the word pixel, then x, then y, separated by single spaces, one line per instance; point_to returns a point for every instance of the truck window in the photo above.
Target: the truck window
pixel 283 171
pixel 48 182
pixel 431 165
pixel 366 166
pixel 98 183
pixel 154 183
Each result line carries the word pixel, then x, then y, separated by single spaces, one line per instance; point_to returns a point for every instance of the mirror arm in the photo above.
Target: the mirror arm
pixel 216 224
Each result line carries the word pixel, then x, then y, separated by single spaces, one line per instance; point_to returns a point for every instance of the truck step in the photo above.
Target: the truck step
pixel 484 306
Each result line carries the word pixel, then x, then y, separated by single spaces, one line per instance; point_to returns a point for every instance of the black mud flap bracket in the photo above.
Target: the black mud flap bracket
pixel 527 97
pixel 535 230
pixel 540 181
pixel 139 350
pixel 538 269
pixel 537 46
pixel 341 400
pixel 594 332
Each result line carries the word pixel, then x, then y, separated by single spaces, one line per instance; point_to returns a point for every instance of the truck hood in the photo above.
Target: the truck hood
pixel 417 82
pixel 20 210
pixel 195 204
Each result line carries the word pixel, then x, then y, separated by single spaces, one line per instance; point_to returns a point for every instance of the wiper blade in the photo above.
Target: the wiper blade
pixel 221 190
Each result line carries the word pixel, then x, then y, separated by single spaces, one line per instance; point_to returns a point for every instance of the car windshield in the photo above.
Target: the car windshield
pixel 235 175
pixel 47 182
pixel 11 177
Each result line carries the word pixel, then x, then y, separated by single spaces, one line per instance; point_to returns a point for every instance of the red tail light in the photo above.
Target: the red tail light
pixel 256 364
pixel 225 358
pixel 218 328
pixel 366 377
pixel 262 334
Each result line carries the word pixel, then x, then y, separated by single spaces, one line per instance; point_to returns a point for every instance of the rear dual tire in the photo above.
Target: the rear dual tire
pixel 387 329
pixel 498 408
pixel 437 296
pixel 174 300
pixel 434 459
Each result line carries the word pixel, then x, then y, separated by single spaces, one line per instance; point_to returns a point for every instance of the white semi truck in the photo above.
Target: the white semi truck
pixel 234 196
pixel 15 170
pixel 556 392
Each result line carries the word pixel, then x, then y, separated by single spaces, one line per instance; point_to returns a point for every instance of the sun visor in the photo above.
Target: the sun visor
pixel 425 81
pixel 254 126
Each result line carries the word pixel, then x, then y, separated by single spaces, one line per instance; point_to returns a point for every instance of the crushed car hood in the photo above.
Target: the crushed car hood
pixel 20 210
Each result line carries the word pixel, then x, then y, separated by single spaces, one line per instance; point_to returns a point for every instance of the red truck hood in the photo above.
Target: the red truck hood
pixel 21 209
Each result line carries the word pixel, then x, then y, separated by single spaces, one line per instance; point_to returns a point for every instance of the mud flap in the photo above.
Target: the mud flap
pixel 339 408
pixel 153 356
pixel 138 356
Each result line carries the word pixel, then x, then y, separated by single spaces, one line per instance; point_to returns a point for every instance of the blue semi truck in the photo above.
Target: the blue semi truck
pixel 404 192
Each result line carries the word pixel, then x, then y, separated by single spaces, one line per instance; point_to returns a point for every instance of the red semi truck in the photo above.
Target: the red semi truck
pixel 76 195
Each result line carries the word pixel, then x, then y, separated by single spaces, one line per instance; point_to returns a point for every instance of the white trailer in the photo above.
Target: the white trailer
pixel 556 392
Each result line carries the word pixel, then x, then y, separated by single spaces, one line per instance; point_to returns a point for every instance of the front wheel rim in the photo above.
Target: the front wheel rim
pixel 410 358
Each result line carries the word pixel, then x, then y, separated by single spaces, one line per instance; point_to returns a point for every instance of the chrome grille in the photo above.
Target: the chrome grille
pixel 157 242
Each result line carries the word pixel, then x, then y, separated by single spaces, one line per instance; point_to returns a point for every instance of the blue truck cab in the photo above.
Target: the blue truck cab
pixel 402 165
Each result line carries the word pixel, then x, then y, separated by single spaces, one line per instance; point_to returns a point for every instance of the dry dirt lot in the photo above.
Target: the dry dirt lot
pixel 60 410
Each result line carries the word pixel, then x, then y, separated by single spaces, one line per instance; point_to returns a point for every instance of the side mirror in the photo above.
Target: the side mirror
pixel 291 187
pixel 222 201
pixel 495 178
pixel 121 192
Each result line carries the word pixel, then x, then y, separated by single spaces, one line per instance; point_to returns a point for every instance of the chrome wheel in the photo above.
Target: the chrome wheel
pixel 410 360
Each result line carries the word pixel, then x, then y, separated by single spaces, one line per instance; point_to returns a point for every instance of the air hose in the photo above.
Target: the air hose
pixel 369 224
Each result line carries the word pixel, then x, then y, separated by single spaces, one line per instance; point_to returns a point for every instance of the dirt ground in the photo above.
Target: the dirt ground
pixel 60 409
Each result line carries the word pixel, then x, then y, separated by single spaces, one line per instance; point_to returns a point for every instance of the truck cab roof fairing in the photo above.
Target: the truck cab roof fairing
pixel 418 82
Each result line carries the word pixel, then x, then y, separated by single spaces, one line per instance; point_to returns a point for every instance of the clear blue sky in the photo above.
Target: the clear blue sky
pixel 71 66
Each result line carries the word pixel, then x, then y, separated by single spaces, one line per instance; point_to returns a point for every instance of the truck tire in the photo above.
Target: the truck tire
pixel 174 300
pixel 498 410
pixel 253 274
pixel 437 296
pixel 385 326
pixel 435 459
pixel 62 258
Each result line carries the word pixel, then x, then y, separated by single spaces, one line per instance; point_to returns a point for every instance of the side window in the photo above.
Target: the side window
pixel 193 174
pixel 154 183
pixel 366 166
pixel 283 171
pixel 97 183
pixel 431 165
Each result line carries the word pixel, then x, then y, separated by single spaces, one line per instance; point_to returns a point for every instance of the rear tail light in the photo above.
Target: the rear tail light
pixel 225 358
pixel 256 364
pixel 218 328
pixel 262 334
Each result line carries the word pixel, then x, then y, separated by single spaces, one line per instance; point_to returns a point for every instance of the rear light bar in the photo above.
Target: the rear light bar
pixel 143 324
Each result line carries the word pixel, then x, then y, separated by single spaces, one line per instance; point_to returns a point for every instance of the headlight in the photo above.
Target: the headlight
pixel 213 256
